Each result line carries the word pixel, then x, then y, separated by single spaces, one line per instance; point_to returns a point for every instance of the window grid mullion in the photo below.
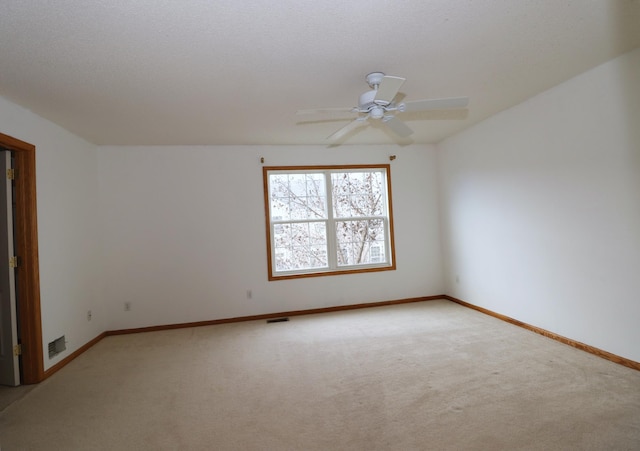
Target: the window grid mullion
pixel 297 221
pixel 332 247
pixel 359 218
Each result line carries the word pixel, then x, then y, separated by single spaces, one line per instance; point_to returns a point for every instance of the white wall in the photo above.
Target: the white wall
pixel 540 213
pixel 67 190
pixel 542 209
pixel 184 233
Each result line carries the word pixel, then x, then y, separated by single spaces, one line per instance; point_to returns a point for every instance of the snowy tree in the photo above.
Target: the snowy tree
pixel 314 212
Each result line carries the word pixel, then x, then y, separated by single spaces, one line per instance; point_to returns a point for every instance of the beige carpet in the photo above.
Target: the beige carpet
pixel 9 395
pixel 424 376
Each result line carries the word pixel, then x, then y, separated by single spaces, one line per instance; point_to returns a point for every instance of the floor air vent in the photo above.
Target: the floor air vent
pixel 277 320
pixel 57 346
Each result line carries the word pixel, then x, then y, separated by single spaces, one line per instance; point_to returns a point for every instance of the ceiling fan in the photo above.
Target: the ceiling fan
pixel 379 104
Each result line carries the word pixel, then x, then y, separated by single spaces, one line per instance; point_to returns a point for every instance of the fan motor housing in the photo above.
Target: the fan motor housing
pixel 367 100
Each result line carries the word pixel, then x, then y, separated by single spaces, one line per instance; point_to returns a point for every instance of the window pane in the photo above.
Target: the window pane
pixel 297 185
pixel 309 237
pixel 300 246
pixel 360 242
pixel 297 196
pixel 357 194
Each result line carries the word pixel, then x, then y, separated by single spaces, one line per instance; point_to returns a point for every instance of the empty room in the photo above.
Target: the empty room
pixel 320 225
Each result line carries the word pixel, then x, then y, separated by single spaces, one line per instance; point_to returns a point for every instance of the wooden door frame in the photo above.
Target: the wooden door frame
pixel 28 273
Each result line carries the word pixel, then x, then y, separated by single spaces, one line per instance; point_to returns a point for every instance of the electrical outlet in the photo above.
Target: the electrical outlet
pixel 127 306
pixel 89 315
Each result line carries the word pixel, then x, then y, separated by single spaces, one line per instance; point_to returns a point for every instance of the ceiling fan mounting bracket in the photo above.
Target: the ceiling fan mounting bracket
pixel 374 79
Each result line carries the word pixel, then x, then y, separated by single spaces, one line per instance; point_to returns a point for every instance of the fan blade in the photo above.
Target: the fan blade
pixel 397 126
pixel 389 87
pixel 434 104
pixel 347 128
pixel 328 110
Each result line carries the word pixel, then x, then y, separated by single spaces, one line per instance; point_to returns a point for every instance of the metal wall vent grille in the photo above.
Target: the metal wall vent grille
pixel 57 346
pixel 277 320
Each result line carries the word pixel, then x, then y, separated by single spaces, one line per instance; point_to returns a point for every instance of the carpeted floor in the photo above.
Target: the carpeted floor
pixel 9 395
pixel 424 376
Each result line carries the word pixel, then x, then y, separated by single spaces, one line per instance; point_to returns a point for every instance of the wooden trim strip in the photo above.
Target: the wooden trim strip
pixel 271 315
pixel 28 277
pixel 337 272
pixel 15 144
pixel 598 352
pixel 324 167
pixel 64 362
pixel 576 344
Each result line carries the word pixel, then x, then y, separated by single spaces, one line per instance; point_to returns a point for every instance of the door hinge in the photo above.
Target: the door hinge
pixel 17 350
pixel 13 262
pixel 11 174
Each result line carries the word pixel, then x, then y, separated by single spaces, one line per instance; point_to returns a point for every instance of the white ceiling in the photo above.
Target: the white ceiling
pixel 156 72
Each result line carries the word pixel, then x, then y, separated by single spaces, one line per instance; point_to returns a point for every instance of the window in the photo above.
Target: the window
pixel 328 220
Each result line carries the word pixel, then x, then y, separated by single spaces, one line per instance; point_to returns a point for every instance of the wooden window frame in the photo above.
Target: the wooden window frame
pixel 356 269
